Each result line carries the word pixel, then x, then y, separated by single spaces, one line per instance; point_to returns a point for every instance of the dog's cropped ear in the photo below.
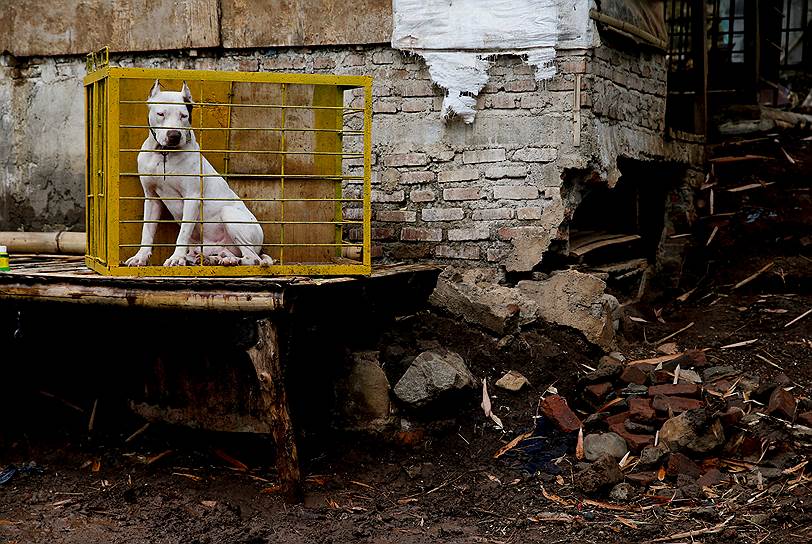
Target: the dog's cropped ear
pixel 155 89
pixel 187 97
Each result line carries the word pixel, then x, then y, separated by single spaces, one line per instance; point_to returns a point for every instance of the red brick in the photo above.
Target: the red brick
pixel 710 478
pixel 782 403
pixel 674 390
pixel 731 416
pixel 677 405
pixel 661 376
pixel 598 391
pixel 680 464
pixel 641 410
pixel 556 410
pixel 642 478
pixel 805 419
pixel 636 442
pixel 617 418
pixel 633 374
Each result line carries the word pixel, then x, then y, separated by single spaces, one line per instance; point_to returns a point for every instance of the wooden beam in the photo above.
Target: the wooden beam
pixel 266 358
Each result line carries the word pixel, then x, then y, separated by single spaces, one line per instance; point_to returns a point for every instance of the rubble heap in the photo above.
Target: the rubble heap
pixel 680 427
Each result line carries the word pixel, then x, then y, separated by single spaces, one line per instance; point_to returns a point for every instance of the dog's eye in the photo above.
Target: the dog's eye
pixel 160 114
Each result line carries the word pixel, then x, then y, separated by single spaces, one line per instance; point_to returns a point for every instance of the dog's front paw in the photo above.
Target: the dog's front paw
pixel 176 260
pixel 139 259
pixel 266 260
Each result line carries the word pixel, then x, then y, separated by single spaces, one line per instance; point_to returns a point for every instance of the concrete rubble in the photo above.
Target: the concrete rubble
pixel 647 422
pixel 576 300
pixel 474 296
pixel 567 298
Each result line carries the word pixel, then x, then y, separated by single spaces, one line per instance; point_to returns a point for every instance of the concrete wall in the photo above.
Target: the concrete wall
pixel 486 192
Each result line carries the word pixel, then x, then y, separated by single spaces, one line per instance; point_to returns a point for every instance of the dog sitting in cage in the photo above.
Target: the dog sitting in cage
pixel 174 173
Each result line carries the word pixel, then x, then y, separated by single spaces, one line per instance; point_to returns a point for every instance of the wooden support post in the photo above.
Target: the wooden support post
pixel 266 358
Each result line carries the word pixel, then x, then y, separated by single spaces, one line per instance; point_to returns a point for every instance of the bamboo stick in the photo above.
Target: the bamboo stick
pixel 54 243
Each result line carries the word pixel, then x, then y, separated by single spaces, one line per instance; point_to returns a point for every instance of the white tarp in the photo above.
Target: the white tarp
pixel 457 37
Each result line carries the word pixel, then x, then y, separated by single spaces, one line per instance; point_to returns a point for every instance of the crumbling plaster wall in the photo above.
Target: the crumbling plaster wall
pixel 484 192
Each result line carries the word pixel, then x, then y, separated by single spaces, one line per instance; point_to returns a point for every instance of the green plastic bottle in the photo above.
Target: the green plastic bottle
pixel 4 267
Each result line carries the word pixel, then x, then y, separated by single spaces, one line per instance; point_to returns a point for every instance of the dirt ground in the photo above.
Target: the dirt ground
pixel 436 479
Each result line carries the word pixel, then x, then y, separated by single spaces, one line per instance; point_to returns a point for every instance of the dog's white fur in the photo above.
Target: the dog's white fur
pixel 235 237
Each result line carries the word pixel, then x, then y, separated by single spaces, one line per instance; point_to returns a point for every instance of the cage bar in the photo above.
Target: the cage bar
pixel 280 141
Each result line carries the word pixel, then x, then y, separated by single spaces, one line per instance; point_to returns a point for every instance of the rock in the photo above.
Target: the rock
pixel 622 492
pixel 667 349
pixel 689 376
pixel 603 473
pixel 693 432
pixel 718 372
pixel 805 419
pixel 634 390
pixel 782 403
pixel 618 418
pixel 608 369
pixel 512 381
pixel 596 421
pixel 556 410
pixel 641 410
pixel 633 374
pixel 577 300
pixel 674 390
pixel 474 296
pixel 611 444
pixel 617 355
pixel 692 358
pixel 597 391
pixel 679 463
pixel 676 405
pixel 651 455
pixel 432 374
pixel 639 428
pixel 366 391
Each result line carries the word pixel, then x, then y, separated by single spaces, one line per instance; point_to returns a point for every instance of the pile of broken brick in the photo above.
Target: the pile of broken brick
pixel 681 427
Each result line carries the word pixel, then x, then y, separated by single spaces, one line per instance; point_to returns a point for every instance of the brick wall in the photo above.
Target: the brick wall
pixel 452 192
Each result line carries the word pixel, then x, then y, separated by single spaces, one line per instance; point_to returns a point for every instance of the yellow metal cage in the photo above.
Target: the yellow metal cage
pixel 289 145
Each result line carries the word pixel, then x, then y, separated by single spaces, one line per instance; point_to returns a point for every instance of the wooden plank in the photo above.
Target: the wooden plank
pixel 41 27
pixel 259 23
pixel 219 300
pixel 618 239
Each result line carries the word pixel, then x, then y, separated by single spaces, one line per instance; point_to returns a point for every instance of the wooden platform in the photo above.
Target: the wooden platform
pixel 267 301
pixel 67 279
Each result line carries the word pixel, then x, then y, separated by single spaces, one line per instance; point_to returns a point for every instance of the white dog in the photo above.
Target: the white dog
pixel 231 233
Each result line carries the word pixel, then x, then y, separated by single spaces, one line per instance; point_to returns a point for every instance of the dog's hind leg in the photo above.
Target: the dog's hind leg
pixel 246 236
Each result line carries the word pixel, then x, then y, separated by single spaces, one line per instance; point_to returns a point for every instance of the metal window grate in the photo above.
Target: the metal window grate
pixel 295 148
pixel 795 20
pixel 727 29
pixel 678 17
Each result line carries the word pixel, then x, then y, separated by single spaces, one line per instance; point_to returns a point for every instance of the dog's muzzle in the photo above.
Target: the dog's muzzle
pixel 173 138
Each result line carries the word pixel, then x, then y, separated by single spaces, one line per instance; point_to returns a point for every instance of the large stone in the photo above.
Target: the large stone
pixel 577 300
pixel 432 374
pixel 693 432
pixel 611 444
pixel 367 390
pixel 603 473
pixel 475 296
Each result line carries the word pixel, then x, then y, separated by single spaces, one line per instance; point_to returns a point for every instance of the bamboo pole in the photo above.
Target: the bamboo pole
pixel 53 243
